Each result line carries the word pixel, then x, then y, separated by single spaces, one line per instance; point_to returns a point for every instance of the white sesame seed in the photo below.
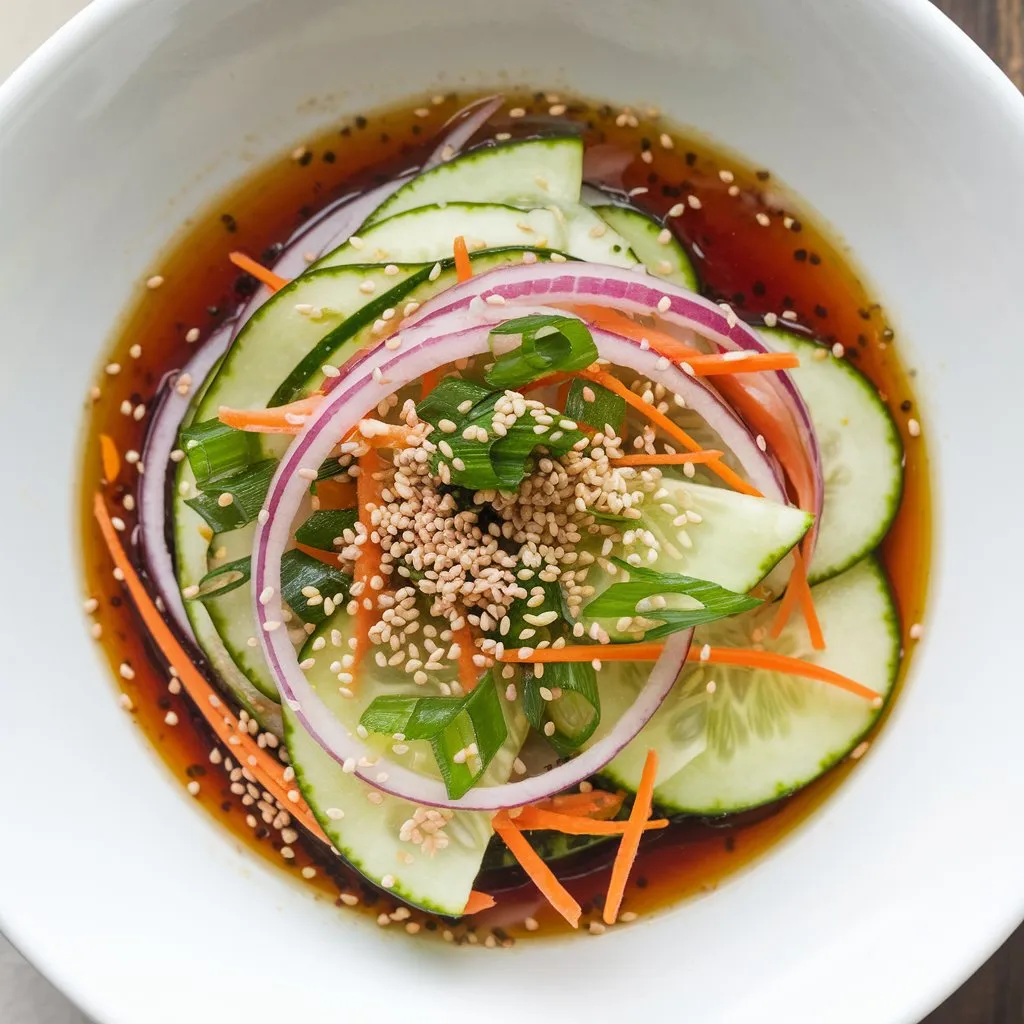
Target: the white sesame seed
pixel 193 788
pixel 154 282
pixel 694 202
pixel 913 428
pixel 763 219
pixel 192 335
pixel 171 718
pixel 916 631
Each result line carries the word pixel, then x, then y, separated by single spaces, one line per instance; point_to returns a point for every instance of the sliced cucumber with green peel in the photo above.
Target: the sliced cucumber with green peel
pixel 767 734
pixel 426 234
pixel 367 833
pixel 668 261
pixel 535 172
pixel 590 238
pixel 737 540
pixel 861 454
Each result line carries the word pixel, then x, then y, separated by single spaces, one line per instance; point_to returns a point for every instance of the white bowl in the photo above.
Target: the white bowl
pixel 888 121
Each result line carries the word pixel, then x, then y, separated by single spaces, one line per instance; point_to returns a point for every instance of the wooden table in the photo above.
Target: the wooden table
pixel 995 995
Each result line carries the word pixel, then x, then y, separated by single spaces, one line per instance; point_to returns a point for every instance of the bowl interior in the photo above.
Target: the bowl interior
pixel 883 117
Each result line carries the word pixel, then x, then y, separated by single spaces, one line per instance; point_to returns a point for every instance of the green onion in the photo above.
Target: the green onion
pixel 450 724
pixel 224 579
pixel 299 571
pixel 215 450
pixel 551 344
pixel 500 462
pixel 607 407
pixel 322 527
pixel 247 489
pixel 622 599
pixel 577 712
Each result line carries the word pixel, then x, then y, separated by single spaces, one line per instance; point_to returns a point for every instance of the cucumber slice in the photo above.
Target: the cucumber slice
pixel 737 542
pixel 768 734
pixel 861 454
pixel 739 539
pixel 425 234
pixel 535 172
pixel 590 238
pixel 367 835
pixel 669 261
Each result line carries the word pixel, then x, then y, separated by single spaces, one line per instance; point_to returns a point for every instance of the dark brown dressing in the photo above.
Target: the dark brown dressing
pixel 781 260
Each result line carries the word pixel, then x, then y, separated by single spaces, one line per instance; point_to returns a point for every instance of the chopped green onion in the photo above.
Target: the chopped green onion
pixel 215 450
pixel 452 725
pixel 606 407
pixel 246 491
pixel 552 343
pixel 634 598
pixel 301 572
pixel 298 571
pixel 224 579
pixel 577 712
pixel 322 528
pixel 499 462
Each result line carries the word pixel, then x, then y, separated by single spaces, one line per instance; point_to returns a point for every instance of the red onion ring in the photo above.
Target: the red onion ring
pixel 464 124
pixel 341 410
pixel 632 292
pixel 161 440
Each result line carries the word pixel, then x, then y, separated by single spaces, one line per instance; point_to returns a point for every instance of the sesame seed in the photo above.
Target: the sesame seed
pixel 388 882
pixel 913 428
pixel 664 305
pixel 693 202
pixel 549 728
pixel 763 219
pixel 192 335
pixel 126 702
pixel 770 319
pixel 154 282
pixel 860 750
pixel 299 152
pixel 171 718
pixel 916 631
pixel 193 788
pixel 126 671
pixel 664 236
pixel 788 314
pixel 113 369
pixel 517 112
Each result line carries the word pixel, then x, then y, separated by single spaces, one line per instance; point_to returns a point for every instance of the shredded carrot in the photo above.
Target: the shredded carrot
pixel 109 458
pixel 707 455
pixel 723 363
pixel 336 494
pixel 534 818
pixel 282 419
pixel 798 591
pixel 267 770
pixel 367 564
pixel 630 845
pixel 273 281
pixel 468 672
pixel 327 557
pixel 742 656
pixel 463 268
pixel 430 381
pixel 539 873
pixel 660 341
pixel 720 469
pixel 478 901
pixel 598 803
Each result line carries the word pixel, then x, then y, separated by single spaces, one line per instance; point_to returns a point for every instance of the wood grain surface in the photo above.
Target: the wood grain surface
pixel 995 994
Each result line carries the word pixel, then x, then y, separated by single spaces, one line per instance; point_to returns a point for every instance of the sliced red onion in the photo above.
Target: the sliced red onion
pixel 626 290
pixel 161 440
pixel 380 375
pixel 463 125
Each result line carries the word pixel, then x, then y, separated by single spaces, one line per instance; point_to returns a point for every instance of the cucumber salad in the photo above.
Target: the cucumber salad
pixel 504 539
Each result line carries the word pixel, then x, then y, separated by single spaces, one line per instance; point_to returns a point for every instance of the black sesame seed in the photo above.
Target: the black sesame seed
pixel 730 844
pixel 306 159
pixel 229 222
pixel 820 311
pixel 328 156
pixel 163 703
pixel 226 808
pixel 246 285
pixel 195 771
pixel 213 310
pixel 645 144
pixel 738 298
pixel 261 832
pixel 361 122
pixel 862 340
pixel 641 882
pixel 800 255
pixel 385 138
pixel 430 924
pixel 416 129
pixel 116 602
pixel 864 314
pixel 345 132
pixel 762 175
pixel 815 259
pixel 796 226
pixel 691 159
pixel 906 405
pixel 758 288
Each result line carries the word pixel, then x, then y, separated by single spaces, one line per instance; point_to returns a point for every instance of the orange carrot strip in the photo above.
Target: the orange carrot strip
pixel 742 656
pixel 463 268
pixel 430 381
pixel 469 674
pixel 707 455
pixel 267 770
pixel 584 652
pixel 321 556
pixel 278 420
pixel 630 845
pixel 660 341
pixel 722 363
pixel 531 818
pixel 109 458
pixel 722 471
pixel 596 804
pixel 477 902
pixel 368 561
pixel 336 494
pixel 273 281
pixel 539 873
pixel 798 591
